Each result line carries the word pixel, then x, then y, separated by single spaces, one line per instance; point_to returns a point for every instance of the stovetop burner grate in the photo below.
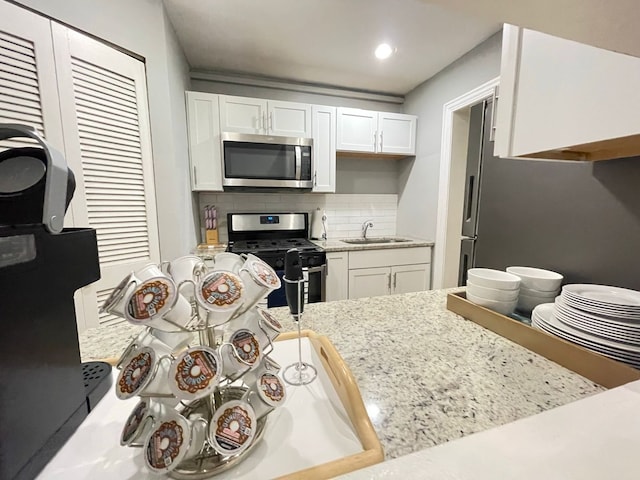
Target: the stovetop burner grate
pixel 266 245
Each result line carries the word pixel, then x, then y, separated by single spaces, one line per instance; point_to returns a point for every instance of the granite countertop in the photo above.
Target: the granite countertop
pixel 426 375
pixel 335 245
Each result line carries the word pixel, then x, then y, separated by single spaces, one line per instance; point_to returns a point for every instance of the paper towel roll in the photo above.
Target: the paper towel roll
pixel 316 224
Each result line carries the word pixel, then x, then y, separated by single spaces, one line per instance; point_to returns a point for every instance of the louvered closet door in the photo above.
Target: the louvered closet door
pixel 28 88
pixel 107 138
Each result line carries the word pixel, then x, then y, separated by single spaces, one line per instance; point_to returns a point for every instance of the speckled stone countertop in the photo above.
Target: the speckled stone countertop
pixel 426 375
pixel 341 246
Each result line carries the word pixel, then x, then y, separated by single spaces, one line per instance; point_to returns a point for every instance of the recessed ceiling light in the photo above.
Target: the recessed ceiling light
pixel 383 51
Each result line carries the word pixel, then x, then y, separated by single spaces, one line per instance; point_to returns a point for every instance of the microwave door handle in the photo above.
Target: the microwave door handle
pixel 298 151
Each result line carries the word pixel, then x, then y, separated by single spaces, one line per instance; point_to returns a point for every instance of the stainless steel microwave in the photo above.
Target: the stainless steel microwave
pixel 266 161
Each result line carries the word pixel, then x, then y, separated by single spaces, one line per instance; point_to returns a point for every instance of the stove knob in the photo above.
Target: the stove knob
pixel 279 264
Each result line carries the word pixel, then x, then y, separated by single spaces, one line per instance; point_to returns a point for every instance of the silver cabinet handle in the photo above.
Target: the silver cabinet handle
pixel 389 283
pixel 315 178
pixel 381 132
pixel 195 175
pixel 271 121
pixel 394 281
pixel 265 124
pixel 494 112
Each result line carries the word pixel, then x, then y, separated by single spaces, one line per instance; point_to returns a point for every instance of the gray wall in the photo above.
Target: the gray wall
pixel 419 176
pixel 580 219
pixel 142 27
pixel 290 96
pixel 366 175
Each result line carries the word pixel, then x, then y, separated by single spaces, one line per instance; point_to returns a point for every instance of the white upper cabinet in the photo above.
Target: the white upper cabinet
pixel 243 115
pixel 289 119
pixel 264 117
pixel 204 141
pixel 357 130
pixel 566 100
pixel 397 133
pixel 324 148
pixel 376 132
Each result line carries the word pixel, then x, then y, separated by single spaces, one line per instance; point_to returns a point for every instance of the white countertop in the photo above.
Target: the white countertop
pixel 311 428
pixel 593 438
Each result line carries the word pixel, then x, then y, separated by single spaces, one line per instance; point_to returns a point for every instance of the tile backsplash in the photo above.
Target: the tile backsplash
pixel 345 212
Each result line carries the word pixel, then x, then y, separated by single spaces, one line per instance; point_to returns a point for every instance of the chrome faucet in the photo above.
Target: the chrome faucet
pixel 365 226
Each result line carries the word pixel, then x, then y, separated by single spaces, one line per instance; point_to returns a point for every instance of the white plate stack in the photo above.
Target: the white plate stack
pixel 537 286
pixel 493 289
pixel 603 319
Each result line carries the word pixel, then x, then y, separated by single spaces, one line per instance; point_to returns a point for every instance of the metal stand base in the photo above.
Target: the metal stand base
pixel 300 374
pixel 209 462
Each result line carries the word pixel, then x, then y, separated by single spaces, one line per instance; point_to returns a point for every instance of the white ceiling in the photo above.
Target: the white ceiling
pixel 608 24
pixel 328 42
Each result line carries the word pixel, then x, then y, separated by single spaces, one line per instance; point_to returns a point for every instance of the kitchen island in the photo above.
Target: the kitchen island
pixel 426 375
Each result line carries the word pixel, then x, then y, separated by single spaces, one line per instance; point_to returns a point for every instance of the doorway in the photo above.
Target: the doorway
pixel 453 155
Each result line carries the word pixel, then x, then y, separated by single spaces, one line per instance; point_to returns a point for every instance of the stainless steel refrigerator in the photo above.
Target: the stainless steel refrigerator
pixel 581 219
pixel 479 146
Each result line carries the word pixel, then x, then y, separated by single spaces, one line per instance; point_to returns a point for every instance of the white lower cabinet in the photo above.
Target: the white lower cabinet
pixel 337 276
pixel 371 273
pixel 411 278
pixel 369 282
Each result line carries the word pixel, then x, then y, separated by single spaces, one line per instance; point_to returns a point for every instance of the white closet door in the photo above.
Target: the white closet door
pixel 103 100
pixel 28 89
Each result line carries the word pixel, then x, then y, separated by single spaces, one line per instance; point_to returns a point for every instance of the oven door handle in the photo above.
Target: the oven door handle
pixel 321 268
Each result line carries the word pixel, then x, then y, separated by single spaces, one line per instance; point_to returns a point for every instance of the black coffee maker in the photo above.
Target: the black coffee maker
pixel 42 392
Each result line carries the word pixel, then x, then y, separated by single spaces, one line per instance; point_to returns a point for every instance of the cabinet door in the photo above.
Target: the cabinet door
pixel 103 102
pixel 562 99
pixel 397 133
pixel 204 141
pixel 357 130
pixel 289 119
pixel 243 115
pixel 324 148
pixel 337 276
pixel 369 282
pixel 28 88
pixel 411 278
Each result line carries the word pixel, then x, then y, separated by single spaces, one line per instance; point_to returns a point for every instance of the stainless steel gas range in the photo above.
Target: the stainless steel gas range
pixel 269 236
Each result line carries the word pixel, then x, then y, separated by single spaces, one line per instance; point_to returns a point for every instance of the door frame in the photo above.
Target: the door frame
pixel 450 156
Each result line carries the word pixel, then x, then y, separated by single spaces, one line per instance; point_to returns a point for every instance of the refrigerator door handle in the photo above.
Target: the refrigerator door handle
pixel 467 247
pixel 470 197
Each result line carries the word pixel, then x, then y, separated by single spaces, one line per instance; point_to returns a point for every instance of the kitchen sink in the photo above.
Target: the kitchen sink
pixel 367 241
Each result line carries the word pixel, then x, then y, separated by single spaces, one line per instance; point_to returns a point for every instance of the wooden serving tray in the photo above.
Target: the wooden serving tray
pixel 322 431
pixel 349 394
pixel 597 368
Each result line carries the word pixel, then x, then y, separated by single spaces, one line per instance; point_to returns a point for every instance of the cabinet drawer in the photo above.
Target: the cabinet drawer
pixel 388 257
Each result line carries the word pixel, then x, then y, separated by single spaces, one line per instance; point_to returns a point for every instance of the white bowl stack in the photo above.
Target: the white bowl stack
pixel 493 289
pixel 538 286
